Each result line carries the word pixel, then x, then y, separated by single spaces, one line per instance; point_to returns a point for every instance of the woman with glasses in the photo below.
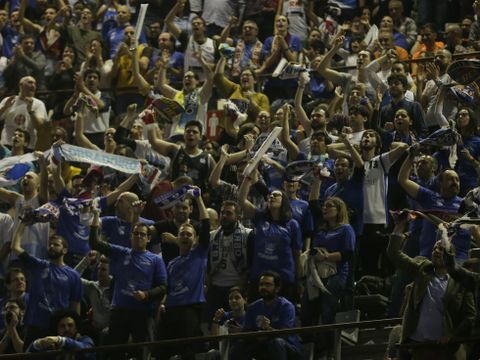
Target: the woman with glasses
pixel 278 240
pixel 334 246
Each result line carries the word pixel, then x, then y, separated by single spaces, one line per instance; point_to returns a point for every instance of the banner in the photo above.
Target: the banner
pixel 99 158
pixel 167 200
pixel 262 151
pixel 167 108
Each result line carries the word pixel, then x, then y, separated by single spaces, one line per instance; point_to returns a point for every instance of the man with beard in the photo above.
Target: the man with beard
pixel 228 257
pixel 436 76
pixel 53 285
pixel 67 338
pixel 375 167
pixel 439 307
pixel 319 116
pixel 189 160
pixel 269 313
pixel 397 85
pixel 445 200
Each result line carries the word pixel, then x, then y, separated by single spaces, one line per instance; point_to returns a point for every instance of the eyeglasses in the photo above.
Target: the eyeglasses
pixel 276 194
pixel 329 205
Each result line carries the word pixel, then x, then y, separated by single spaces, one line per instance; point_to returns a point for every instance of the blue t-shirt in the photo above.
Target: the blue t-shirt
pixel 351 192
pixel 51 288
pixel 281 315
pixel 229 316
pixel 186 274
pixel 431 200
pixel 69 225
pixel 340 239
pixel 465 170
pixel 117 231
pixel 134 270
pixel 274 246
pixel 301 213
pixel 116 35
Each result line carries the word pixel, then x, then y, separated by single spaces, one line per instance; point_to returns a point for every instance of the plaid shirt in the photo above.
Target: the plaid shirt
pixel 408 28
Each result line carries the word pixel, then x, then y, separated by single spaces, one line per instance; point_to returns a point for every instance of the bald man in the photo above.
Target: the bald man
pixel 35 236
pixel 117 229
pixel 22 111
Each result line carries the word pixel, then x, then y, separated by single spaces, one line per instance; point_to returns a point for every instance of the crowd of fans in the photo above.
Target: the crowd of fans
pixel 279 168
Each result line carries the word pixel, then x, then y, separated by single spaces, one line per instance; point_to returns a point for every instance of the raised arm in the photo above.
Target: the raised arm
pixel 206 91
pixel 397 151
pixel 142 84
pixel 204 235
pixel 285 139
pixel 162 83
pixel 80 138
pixel 8 196
pixel 163 147
pixel 410 187
pixel 303 81
pixel 323 66
pixel 174 29
pixel 124 186
pixel 42 163
pixel 394 249
pixel 94 241
pixel 438 108
pixel 217 170
pixel 17 239
pixel 357 159
pixel 247 207
pixel 26 22
pixel 224 35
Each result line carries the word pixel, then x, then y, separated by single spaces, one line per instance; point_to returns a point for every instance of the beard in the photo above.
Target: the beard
pixel 267 295
pixel 228 226
pixel 52 255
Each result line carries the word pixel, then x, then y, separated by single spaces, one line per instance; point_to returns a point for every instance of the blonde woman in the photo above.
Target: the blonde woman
pixel 334 243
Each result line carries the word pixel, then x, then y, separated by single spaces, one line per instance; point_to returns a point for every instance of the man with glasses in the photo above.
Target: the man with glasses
pixel 140 278
pixel 248 47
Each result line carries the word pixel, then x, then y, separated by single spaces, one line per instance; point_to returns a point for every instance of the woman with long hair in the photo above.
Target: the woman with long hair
pixel 278 240
pixel 466 124
pixel 333 248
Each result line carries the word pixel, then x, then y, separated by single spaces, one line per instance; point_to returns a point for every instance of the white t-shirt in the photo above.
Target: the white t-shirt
pixel 94 123
pixel 375 187
pixel 17 117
